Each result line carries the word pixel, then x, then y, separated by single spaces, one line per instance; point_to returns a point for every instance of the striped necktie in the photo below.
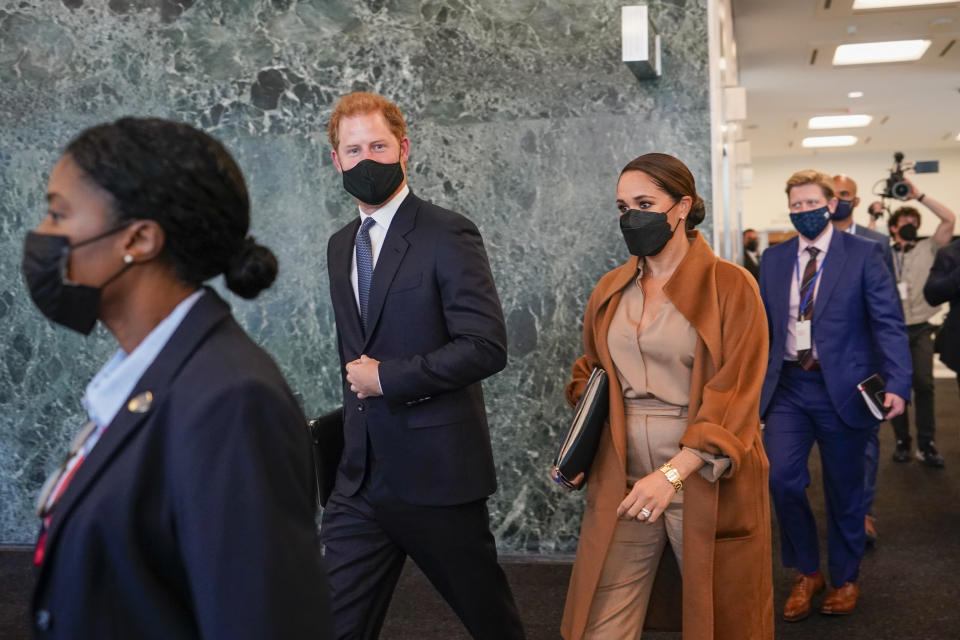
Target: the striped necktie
pixel 364 268
pixel 805 356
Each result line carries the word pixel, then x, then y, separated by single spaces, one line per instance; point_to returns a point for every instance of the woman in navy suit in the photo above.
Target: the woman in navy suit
pixel 184 508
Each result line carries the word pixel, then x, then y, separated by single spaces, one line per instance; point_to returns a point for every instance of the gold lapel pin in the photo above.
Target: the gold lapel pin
pixel 140 403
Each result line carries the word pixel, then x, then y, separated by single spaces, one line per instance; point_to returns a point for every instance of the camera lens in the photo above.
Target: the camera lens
pixel 900 190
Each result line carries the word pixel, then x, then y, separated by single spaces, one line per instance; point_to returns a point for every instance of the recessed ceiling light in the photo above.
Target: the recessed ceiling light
pixel 839 122
pixel 875 52
pixel 855 94
pixel 890 4
pixel 829 141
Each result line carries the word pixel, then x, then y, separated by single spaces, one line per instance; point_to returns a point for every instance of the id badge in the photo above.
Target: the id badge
pixel 803 335
pixel 903 289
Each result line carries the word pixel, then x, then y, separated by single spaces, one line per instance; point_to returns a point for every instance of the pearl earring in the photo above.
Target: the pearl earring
pixel 128 259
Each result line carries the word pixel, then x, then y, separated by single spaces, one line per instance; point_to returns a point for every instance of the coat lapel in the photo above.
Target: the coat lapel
pixel 833 265
pixel 391 255
pixel 207 313
pixel 784 270
pixel 685 290
pixel 607 307
pixel 341 291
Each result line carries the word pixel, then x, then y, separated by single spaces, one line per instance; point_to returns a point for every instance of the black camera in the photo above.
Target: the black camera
pixel 896 186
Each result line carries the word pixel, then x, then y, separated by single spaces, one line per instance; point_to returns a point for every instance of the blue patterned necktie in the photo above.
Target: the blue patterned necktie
pixel 364 268
pixel 805 356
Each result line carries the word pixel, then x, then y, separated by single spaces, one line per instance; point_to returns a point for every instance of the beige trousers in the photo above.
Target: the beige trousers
pixel 620 603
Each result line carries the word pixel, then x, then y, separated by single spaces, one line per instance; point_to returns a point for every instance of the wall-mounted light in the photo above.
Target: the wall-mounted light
pixel 641 43
pixel 734 104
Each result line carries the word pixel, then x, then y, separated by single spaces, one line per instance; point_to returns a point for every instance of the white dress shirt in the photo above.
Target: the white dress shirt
pixel 378 232
pixel 803 257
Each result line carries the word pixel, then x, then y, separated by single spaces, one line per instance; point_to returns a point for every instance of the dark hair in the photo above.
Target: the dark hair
pixel 674 177
pixel 901 213
pixel 187 182
pixel 746 231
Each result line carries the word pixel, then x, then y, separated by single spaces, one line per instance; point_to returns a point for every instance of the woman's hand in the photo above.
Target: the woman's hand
pixel 652 492
pixel 577 482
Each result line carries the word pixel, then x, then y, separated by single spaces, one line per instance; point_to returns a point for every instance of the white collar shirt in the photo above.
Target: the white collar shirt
pixel 822 242
pixel 382 218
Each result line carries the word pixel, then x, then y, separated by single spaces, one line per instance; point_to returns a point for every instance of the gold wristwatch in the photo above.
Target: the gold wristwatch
pixel 673 476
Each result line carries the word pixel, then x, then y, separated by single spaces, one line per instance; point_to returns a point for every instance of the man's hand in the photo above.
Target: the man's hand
pixel 363 375
pixel 914 194
pixel 894 405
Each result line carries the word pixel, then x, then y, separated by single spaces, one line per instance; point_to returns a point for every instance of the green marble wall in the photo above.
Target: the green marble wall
pixel 521 116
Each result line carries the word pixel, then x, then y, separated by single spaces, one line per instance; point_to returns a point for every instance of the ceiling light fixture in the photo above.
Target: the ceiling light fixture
pixel 863 5
pixel 878 52
pixel 829 141
pixel 855 94
pixel 839 122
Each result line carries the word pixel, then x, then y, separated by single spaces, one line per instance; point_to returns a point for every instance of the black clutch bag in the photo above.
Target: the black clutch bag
pixel 326 432
pixel 579 446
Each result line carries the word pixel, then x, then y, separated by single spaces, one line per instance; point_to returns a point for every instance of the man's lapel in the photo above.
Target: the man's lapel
pixel 391 255
pixel 783 270
pixel 341 291
pixel 833 264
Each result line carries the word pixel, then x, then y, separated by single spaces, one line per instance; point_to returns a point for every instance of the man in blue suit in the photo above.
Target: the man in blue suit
pixel 834 322
pixel 842 220
pixel 419 326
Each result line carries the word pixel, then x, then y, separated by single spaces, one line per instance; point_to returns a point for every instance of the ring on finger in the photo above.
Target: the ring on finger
pixel 644 514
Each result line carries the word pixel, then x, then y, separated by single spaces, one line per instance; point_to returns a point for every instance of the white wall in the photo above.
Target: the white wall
pixel 765 203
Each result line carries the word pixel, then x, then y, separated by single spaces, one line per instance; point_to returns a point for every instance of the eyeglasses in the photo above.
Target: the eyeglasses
pixel 53 480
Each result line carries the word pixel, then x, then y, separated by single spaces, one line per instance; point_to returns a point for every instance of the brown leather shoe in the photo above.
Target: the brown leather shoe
pixel 840 602
pixel 798 604
pixel 870 529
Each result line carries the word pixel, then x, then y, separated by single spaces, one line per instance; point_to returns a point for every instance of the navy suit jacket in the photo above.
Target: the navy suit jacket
pixel 884 240
pixel 195 518
pixel 858 326
pixel 435 324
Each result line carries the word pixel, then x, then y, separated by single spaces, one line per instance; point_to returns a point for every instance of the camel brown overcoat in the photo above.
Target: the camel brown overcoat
pixel 727 561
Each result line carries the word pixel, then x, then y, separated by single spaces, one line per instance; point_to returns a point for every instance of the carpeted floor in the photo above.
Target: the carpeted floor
pixel 909 583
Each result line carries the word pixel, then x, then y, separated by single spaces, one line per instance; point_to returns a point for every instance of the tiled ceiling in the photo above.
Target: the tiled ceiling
pixel 784 51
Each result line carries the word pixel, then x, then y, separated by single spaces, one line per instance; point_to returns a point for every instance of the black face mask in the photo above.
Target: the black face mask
pixel 752 245
pixel 647 232
pixel 908 232
pixel 44 267
pixel 373 182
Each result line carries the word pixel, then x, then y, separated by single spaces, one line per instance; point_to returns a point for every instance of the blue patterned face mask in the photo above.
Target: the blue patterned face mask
pixel 843 210
pixel 811 223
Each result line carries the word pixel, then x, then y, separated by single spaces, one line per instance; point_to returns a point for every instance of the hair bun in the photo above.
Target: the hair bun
pixel 698 211
pixel 252 270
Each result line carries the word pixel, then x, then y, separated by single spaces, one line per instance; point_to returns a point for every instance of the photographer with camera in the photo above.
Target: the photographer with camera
pixel 912 260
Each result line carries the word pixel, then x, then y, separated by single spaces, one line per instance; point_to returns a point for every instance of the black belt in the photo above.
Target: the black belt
pixel 793 364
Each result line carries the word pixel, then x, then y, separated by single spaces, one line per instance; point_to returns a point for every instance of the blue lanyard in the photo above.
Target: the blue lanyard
pixel 813 285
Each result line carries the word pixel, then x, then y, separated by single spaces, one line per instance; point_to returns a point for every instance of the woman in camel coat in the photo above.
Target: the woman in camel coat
pixel 722 510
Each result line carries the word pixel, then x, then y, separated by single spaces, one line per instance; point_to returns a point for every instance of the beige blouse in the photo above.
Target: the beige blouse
pixel 658 361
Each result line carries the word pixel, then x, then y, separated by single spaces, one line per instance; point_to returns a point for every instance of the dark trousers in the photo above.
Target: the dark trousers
pixel 368 536
pixel 800 414
pixel 871 464
pixel 921 353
